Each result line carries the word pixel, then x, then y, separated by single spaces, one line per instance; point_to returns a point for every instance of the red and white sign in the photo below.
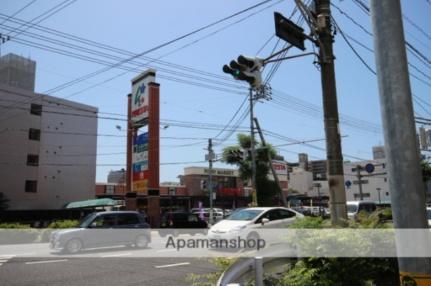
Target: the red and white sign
pixel 140 95
pixel 280 167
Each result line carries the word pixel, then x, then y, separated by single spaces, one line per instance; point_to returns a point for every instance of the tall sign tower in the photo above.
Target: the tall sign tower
pixel 143 145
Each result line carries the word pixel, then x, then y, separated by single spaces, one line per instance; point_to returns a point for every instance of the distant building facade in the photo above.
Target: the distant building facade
pixel 48 144
pixel 117 177
pixel 17 72
pixel 379 152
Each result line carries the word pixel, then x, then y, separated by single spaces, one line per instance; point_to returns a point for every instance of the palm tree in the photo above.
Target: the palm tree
pixel 266 190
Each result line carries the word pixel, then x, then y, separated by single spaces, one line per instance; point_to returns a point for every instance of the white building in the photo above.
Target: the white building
pixel 302 181
pixel 48 149
pixel 375 186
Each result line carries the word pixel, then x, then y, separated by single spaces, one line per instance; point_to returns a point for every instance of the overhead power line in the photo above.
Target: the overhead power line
pixel 45 15
pixel 18 11
pixel 112 65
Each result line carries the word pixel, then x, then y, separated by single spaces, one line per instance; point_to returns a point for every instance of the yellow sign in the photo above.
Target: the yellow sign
pixel 140 186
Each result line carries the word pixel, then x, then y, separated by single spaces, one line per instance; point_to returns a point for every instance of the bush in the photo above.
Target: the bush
pixel 13 225
pixel 64 224
pixel 343 271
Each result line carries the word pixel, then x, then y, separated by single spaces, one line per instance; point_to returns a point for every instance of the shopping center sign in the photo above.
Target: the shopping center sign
pixel 140 163
pixel 140 96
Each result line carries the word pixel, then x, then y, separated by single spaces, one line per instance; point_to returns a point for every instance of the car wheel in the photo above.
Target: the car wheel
pixel 141 241
pixel 73 246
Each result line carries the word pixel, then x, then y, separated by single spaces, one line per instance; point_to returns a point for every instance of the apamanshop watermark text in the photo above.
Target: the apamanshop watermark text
pixel 208 243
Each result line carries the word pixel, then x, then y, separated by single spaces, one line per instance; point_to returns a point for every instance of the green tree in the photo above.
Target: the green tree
pixel 4 202
pixel 266 190
pixel 426 171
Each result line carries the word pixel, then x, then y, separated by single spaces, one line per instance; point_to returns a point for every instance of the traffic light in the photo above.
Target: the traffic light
pixel 203 184
pixel 247 69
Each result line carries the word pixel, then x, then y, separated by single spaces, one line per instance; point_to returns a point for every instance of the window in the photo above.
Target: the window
pixel 36 109
pixel 286 214
pixel 364 195
pixel 104 221
pixel 32 160
pixel 109 189
pixel 30 186
pixel 387 193
pixel 171 191
pixel 34 134
pixel 193 218
pixel 127 219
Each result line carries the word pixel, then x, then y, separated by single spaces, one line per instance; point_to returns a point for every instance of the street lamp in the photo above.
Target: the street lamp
pixel 318 186
pixel 378 192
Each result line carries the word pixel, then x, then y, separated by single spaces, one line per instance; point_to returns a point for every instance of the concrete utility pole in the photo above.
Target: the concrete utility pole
pixel 404 172
pixel 359 176
pixel 129 144
pixel 210 177
pixel 253 153
pixel 330 110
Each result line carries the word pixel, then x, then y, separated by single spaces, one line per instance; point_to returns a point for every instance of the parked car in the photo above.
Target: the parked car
pixel 217 214
pixel 249 219
pixel 181 219
pixel 178 222
pixel 429 215
pixel 104 229
pixel 354 207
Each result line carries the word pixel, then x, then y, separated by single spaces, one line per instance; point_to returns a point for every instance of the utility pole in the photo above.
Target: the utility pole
pixel 378 192
pixel 210 176
pixel 274 174
pixel 404 172
pixel 330 109
pixel 253 154
pixel 359 176
pixel 129 144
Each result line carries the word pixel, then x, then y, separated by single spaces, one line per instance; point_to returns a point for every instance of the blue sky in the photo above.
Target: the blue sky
pixel 137 26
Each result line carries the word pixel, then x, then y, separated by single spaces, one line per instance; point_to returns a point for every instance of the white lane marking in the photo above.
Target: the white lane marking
pixel 166 250
pixel 172 265
pixel 116 255
pixel 46 261
pixel 1 264
pixel 13 255
pixel 3 260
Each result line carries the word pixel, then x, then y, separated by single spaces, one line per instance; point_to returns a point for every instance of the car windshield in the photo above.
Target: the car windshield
pixel 352 208
pixel 85 222
pixel 245 215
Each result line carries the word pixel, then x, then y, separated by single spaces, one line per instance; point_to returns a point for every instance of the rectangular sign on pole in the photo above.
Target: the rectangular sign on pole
pixel 140 163
pixel 280 167
pixel 140 96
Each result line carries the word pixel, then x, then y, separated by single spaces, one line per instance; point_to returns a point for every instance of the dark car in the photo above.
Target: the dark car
pixel 104 229
pixel 178 222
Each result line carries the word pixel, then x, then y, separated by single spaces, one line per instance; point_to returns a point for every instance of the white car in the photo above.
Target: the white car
pixel 354 207
pixel 249 219
pixel 429 215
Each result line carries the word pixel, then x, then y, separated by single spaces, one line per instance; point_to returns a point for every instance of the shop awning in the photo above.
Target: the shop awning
pixel 92 203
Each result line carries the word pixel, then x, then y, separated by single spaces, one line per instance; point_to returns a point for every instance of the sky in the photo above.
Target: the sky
pixel 136 26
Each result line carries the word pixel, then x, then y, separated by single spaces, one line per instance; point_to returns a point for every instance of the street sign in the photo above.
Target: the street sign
pixel 289 31
pixel 369 168
pixel 362 182
pixel 348 184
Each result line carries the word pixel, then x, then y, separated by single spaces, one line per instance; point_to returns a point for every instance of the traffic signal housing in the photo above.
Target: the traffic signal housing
pixel 247 69
pixel 203 185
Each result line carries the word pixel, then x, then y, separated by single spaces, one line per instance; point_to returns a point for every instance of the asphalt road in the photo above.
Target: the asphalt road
pixel 107 270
